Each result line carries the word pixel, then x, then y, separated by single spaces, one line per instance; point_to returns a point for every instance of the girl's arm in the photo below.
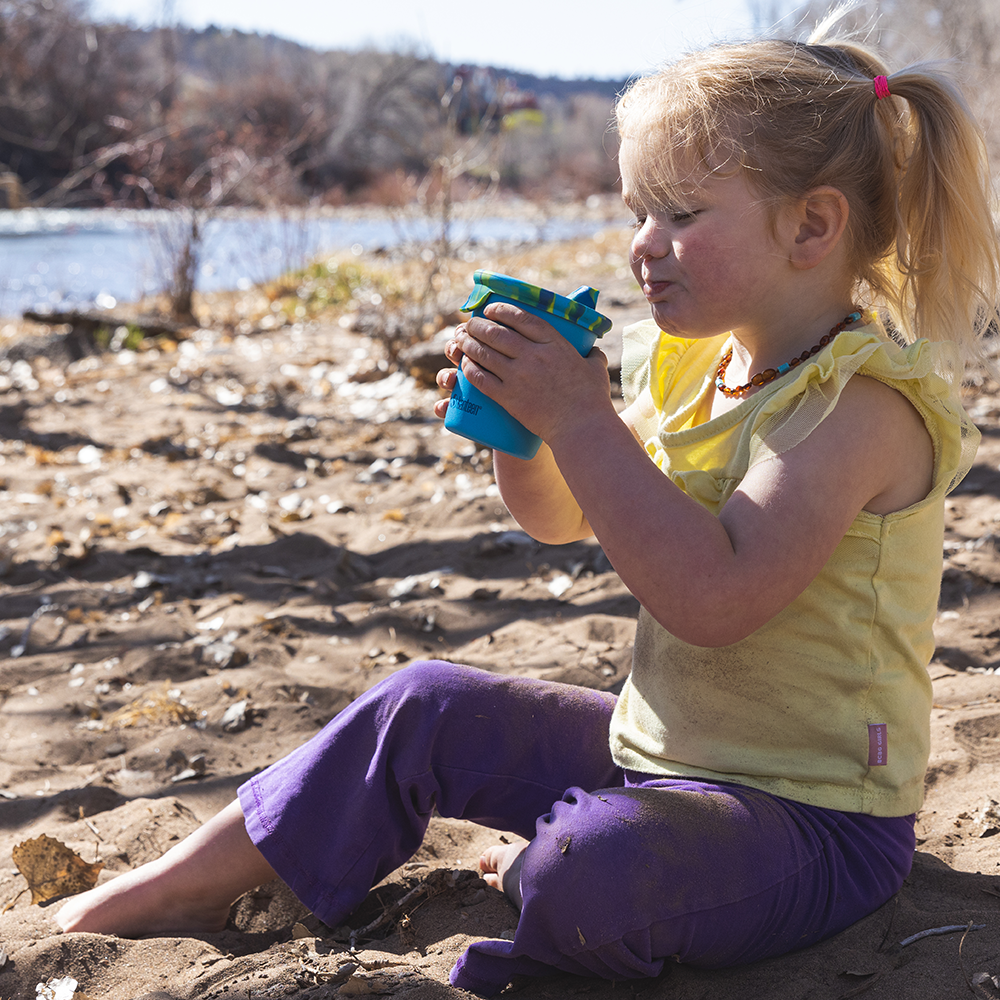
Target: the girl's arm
pixel 538 498
pixel 709 580
pixel 534 491
pixel 713 580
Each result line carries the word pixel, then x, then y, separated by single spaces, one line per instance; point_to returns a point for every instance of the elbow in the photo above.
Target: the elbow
pixel 714 639
pixel 709 636
pixel 551 533
pixel 707 624
pixel 550 538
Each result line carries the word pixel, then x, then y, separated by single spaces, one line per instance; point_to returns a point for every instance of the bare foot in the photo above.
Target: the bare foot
pixel 501 868
pixel 190 889
pixel 141 902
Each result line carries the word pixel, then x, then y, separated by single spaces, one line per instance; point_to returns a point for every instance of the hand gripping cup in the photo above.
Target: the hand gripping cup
pixel 479 418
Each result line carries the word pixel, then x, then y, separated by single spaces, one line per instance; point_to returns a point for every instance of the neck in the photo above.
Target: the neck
pixel 768 373
pixel 775 344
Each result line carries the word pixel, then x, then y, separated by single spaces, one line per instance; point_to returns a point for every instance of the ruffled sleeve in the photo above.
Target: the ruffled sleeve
pixel 667 379
pixel 926 373
pixel 666 376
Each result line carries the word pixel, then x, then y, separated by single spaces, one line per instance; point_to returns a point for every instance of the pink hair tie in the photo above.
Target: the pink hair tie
pixel 882 87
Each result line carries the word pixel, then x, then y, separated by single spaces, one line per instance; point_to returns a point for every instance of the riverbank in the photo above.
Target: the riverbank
pixel 212 545
pixel 78 258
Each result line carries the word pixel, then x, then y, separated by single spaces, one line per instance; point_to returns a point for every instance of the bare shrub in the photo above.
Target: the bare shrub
pixel 69 89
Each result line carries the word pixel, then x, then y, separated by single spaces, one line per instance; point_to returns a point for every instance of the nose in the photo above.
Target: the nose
pixel 650 240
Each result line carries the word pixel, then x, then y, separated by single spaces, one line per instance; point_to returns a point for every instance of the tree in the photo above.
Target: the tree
pixel 69 89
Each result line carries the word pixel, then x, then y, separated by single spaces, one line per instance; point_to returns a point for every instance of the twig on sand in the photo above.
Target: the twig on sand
pixel 947 929
pixel 22 646
pixel 888 926
pixel 438 881
pixel 858 990
pixel 973 982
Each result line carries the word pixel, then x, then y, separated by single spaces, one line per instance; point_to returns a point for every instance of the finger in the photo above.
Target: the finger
pixel 451 350
pixel 479 360
pixel 597 356
pixel 445 378
pixel 525 323
pixel 481 335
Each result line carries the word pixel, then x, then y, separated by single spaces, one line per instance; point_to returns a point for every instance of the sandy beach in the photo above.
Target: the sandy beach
pixel 210 547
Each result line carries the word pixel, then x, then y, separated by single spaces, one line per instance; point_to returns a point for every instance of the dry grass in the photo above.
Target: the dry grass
pixel 163 706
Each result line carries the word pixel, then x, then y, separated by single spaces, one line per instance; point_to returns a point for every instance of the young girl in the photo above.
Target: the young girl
pixel 772 494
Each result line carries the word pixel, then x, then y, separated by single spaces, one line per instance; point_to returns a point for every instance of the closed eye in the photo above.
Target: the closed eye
pixel 676 217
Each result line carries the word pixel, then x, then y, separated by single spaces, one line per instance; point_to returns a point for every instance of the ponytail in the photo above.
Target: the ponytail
pixel 941 281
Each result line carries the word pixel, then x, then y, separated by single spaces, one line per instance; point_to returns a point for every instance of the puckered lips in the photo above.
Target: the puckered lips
pixel 654 288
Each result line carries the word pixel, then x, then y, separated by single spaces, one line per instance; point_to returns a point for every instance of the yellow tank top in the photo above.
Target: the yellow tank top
pixel 829 702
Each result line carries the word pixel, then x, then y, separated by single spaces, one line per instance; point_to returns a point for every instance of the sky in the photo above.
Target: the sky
pixel 568 38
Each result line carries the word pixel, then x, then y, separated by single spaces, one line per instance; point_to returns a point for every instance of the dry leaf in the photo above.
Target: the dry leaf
pixel 56 539
pixel 53 870
pixel 987 818
pixel 41 456
pixel 164 706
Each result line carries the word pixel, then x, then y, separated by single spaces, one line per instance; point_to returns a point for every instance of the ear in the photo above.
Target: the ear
pixel 818 220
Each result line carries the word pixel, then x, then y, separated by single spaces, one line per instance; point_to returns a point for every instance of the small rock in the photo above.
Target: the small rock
pixel 223 655
pixel 987 818
pixel 236 718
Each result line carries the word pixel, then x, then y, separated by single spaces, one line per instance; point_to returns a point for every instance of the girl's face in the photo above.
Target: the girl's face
pixel 708 262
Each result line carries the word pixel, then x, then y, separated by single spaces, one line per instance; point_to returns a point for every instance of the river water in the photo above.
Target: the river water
pixel 53 259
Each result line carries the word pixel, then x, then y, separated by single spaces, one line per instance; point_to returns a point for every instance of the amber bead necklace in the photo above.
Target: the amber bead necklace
pixel 770 374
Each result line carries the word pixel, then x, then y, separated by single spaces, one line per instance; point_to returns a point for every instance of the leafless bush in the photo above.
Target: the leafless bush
pixel 68 89
pixel 563 150
pixel 195 121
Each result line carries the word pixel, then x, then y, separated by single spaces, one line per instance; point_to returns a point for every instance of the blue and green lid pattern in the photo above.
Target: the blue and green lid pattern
pixel 578 307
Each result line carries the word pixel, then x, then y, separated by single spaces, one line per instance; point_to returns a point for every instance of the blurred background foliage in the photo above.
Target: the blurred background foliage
pixel 97 114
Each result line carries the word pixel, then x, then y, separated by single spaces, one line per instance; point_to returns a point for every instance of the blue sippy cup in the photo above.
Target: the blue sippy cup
pixel 479 418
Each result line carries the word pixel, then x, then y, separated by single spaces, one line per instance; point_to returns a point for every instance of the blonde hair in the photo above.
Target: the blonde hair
pixel 797 115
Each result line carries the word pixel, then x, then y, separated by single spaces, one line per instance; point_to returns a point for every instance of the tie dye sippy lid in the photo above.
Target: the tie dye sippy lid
pixel 579 307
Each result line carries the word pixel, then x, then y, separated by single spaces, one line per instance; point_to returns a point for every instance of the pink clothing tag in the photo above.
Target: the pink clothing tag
pixel 878 744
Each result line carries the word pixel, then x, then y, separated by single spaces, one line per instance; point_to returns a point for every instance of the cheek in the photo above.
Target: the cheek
pixel 710 260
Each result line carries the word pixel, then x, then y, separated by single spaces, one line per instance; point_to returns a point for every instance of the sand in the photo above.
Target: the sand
pixel 221 543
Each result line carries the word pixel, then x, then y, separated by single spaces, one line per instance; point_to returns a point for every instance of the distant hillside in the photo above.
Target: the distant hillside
pixel 162 116
pixel 564 89
pixel 223 53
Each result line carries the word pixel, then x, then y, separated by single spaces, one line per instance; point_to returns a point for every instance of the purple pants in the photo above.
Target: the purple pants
pixel 624 871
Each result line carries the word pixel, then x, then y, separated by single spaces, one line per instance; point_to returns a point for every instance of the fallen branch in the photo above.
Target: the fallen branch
pixel 438 881
pixel 94 319
pixel 21 648
pixel 934 931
